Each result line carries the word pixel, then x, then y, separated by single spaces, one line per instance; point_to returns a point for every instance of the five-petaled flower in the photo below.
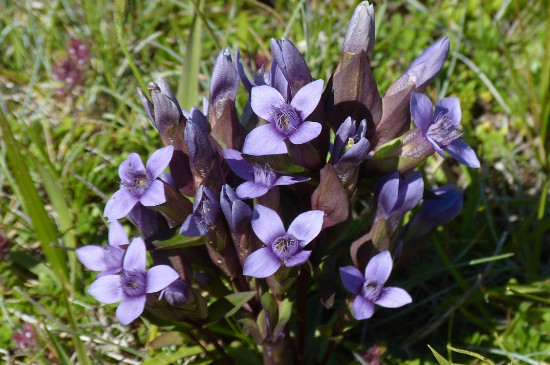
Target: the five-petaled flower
pixel 440 127
pixel 282 247
pixel 107 259
pixel 259 179
pixel 132 284
pixel 139 183
pixel 286 120
pixel 370 288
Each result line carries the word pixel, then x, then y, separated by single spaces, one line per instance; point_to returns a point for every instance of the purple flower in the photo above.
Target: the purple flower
pixel 370 288
pixel 286 120
pixel 205 209
pixel 133 283
pixel 139 183
pixel 439 127
pixel 350 144
pixel 397 195
pixel 282 247
pixel 237 213
pixel 175 293
pixel 259 180
pixel 107 259
pixel 274 78
pixel 360 33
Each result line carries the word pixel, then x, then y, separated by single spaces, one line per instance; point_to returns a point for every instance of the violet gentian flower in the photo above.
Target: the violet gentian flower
pixel 133 283
pixel 439 127
pixel 350 144
pixel 175 293
pixel 286 120
pixel 282 247
pixel 397 195
pixel 274 78
pixel 259 179
pixel 237 213
pixel 139 183
pixel 360 33
pixel 107 259
pixel 205 209
pixel 370 288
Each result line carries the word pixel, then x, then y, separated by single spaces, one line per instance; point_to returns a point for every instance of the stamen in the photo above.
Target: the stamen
pixel 285 246
pixel 133 282
pixel 371 290
pixel 264 175
pixel 443 131
pixel 286 119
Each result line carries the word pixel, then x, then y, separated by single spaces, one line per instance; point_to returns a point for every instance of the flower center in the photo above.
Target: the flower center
pixel 264 175
pixel 443 131
pixel 285 246
pixel 287 120
pixel 138 183
pixel 133 283
pixel 371 290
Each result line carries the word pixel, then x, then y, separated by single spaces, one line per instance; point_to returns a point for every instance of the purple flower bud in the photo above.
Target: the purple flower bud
pixel 360 34
pixel 397 195
pixel 224 83
pixel 175 293
pixel 292 64
pixel 350 144
pixel 282 247
pixel 205 210
pixel 370 289
pixel 237 213
pixel 201 152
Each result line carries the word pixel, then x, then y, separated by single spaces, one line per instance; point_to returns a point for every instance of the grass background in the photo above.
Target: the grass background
pixel 483 279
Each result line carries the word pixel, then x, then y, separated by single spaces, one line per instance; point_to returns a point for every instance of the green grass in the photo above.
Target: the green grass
pixel 484 278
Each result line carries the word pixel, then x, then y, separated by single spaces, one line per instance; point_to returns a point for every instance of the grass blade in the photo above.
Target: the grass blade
pixel 188 88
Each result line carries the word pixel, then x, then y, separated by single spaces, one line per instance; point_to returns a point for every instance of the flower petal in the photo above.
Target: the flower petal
pixel 379 267
pixel 154 194
pixel 261 263
pixel 120 204
pixel 411 189
pixel 130 309
pixel 190 228
pixel 106 289
pixel 158 161
pixel 238 164
pixel 421 111
pixel 463 153
pixel 117 234
pixel 265 100
pixel 393 297
pixel 267 224
pixel 93 257
pixel 263 140
pixel 298 258
pixel 449 106
pixel 129 166
pixel 159 277
pixel 305 132
pixel 362 308
pixel 242 75
pixel 351 278
pixel 306 226
pixel 307 98
pixel 251 189
pixel 134 259
pixel 289 180
pixel 386 190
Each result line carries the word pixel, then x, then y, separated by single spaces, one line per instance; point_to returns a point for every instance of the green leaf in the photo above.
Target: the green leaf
pixel 440 359
pixel 166 339
pixel 178 241
pixel 229 305
pixel 271 310
pixel 164 359
pixel 285 311
pixel 62 356
pixel 188 89
pixel 470 353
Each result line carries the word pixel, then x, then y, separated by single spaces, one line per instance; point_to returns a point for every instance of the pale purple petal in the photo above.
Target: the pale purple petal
pixel 261 263
pixel 362 308
pixel 263 140
pixel 130 309
pixel 120 204
pixel 190 228
pixel 266 224
pixel 129 166
pixel 305 132
pixel 159 277
pixel 449 106
pixel 154 194
pixel 298 258
pixel 265 101
pixel 411 189
pixel 158 161
pixel 106 289
pixel 134 259
pixel 379 267
pixel 387 190
pixel 392 297
pixel 289 180
pixel 306 226
pixel 421 111
pixel 117 235
pixel 352 279
pixel 436 147
pixel 251 189
pixel 278 80
pixel 93 257
pixel 238 164
pixel 307 98
pixel 463 153
pixel 242 75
